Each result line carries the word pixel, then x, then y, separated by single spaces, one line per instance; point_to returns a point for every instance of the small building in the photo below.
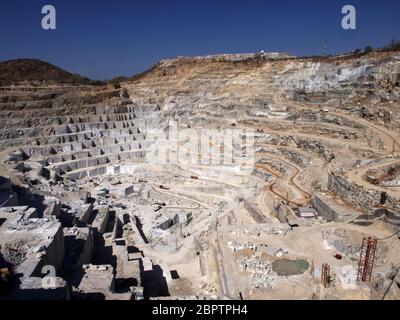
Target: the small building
pixel 307 213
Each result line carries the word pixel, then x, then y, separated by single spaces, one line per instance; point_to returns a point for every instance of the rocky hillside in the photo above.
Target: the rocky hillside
pixel 36 71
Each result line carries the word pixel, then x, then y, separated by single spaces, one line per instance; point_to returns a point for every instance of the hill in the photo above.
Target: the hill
pixel 32 70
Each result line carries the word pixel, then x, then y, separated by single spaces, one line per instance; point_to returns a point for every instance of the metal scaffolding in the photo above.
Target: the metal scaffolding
pixel 325 275
pixel 367 257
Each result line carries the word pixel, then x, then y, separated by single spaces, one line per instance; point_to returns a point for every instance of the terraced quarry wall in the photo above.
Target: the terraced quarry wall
pixel 317 124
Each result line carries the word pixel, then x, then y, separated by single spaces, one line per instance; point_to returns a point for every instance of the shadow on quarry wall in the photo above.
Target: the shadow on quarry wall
pixel 103 254
pixel 379 214
pixel 123 285
pixel 367 199
pixel 27 198
pixel 73 278
pixel 111 222
pixel 139 226
pixel 153 282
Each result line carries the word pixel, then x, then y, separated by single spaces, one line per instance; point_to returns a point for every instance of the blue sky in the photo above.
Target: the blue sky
pixel 102 39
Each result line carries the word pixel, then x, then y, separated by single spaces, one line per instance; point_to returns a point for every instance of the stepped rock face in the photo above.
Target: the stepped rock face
pixel 311 127
pixel 200 82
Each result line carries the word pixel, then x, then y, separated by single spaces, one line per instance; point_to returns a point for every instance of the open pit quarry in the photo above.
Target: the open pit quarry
pixel 311 211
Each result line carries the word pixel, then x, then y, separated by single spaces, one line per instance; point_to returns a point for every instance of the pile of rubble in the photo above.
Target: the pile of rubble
pixel 260 272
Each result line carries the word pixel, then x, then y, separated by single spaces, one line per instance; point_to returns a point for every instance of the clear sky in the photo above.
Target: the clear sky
pixel 102 39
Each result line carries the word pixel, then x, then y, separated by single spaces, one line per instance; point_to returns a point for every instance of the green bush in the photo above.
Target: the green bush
pixel 393 45
pixel 368 49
